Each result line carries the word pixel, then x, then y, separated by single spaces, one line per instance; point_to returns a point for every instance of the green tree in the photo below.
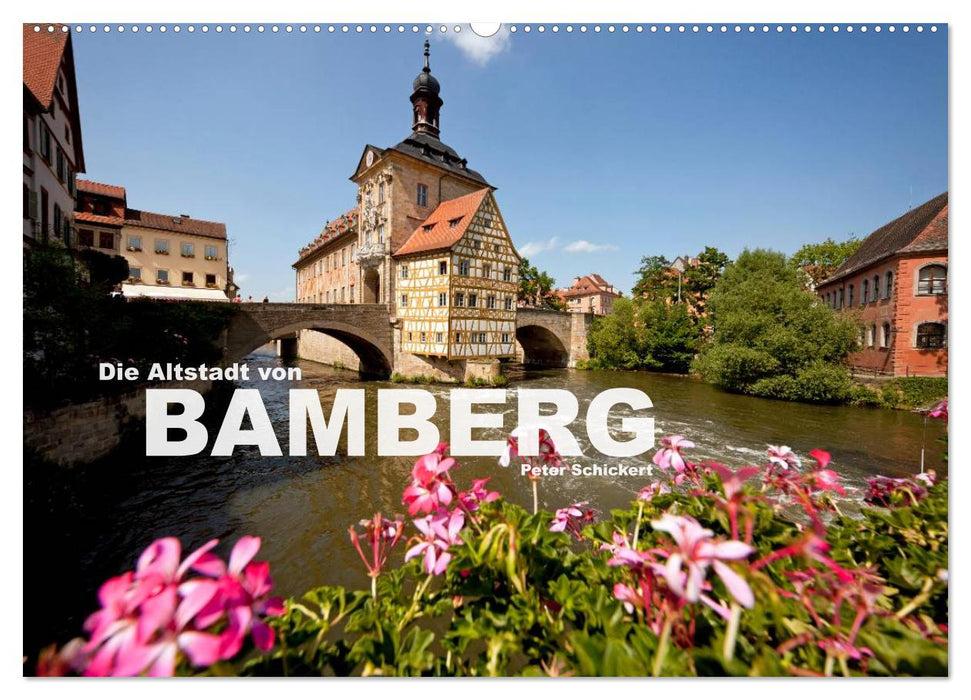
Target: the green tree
pixel 654 278
pixel 773 338
pixel 820 260
pixel 644 335
pixel 536 287
pixel 700 279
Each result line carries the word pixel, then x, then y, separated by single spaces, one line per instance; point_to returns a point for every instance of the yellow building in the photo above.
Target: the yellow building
pixel 169 256
pixel 428 242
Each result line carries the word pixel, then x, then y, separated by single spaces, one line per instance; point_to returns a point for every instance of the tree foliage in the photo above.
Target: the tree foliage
pixel 773 338
pixel 658 281
pixel 820 260
pixel 536 287
pixel 642 334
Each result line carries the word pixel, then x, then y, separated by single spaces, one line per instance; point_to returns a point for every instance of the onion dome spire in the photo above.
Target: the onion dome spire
pixel 425 100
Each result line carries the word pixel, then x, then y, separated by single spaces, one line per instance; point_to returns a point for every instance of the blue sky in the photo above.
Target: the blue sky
pixel 604 147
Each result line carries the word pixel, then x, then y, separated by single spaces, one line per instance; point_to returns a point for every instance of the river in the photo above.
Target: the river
pixel 94 525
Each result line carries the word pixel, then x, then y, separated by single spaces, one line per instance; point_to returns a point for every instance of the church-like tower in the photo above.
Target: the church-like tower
pixel 426 101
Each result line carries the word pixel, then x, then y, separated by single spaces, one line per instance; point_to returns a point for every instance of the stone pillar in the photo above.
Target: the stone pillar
pixel 579 330
pixel 286 348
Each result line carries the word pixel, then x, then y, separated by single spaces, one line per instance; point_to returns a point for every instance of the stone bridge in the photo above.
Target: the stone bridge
pixel 547 338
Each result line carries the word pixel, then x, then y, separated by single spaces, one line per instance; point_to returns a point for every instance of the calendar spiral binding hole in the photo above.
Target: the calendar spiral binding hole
pixel 512 28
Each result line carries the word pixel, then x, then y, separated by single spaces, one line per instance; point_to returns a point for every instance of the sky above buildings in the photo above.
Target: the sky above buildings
pixel 604 147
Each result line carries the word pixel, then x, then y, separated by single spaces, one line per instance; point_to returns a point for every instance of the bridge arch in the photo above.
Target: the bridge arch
pixel 542 347
pixel 363 328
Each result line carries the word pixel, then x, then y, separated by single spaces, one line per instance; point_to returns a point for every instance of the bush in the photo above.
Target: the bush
pixel 644 335
pixel 774 338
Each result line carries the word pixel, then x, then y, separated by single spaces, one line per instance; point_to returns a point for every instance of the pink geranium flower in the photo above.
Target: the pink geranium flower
pixel 669 456
pixel 380 536
pixel 686 567
pixel 430 488
pixel 548 455
pixel 439 532
pixel 651 490
pixel 783 456
pixel 572 519
pixel 150 616
pixel 477 494
pixel 939 411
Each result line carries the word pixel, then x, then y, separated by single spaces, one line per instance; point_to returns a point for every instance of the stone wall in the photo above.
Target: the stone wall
pixel 320 347
pixel 82 433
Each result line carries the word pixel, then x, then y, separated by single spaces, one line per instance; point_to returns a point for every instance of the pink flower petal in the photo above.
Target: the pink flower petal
pixel 156 613
pixel 263 635
pixel 202 648
pixel 243 552
pixel 161 557
pixel 199 557
pixel 735 584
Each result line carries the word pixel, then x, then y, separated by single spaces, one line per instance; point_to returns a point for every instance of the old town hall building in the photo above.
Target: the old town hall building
pixel 426 239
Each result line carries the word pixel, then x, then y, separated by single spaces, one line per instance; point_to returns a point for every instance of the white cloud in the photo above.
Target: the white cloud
pixel 240 276
pixel 479 49
pixel 583 246
pixel 532 248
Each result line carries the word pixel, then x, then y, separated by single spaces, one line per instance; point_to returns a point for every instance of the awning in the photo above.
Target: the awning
pixel 163 292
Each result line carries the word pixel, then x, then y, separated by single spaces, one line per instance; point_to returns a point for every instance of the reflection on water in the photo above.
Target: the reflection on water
pixel 302 506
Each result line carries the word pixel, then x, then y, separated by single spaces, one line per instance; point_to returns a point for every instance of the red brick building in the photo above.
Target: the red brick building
pixel 896 286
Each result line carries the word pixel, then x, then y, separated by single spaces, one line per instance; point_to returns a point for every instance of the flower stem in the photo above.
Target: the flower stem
pixel 637 525
pixel 662 647
pixel 535 497
pixel 731 636
pixel 374 587
pixel 419 592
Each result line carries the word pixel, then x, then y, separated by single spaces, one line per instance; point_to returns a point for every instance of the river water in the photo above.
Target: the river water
pixel 302 506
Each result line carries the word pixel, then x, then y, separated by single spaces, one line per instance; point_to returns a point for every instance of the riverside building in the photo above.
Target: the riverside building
pixel 53 153
pixel 169 256
pixel 896 287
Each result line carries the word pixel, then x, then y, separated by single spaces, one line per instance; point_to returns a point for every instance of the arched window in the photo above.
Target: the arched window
pixel 888 285
pixel 930 335
pixel 839 304
pixel 932 279
pixel 871 335
pixel 885 336
pixel 876 287
pixel 865 292
pixel 849 296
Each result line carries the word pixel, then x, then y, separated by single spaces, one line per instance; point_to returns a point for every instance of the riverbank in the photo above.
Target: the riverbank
pixel 897 393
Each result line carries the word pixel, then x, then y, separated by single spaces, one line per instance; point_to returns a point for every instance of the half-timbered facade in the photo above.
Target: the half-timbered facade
pixel 457 277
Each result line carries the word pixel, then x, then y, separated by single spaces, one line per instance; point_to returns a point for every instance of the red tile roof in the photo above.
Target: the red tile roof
pixel 345 223
pixel 88 217
pixel 445 226
pixel 43 51
pixel 587 285
pixel 920 229
pixel 102 189
pixel 175 224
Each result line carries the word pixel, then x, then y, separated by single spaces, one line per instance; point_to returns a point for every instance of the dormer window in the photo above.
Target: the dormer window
pixel 452 223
